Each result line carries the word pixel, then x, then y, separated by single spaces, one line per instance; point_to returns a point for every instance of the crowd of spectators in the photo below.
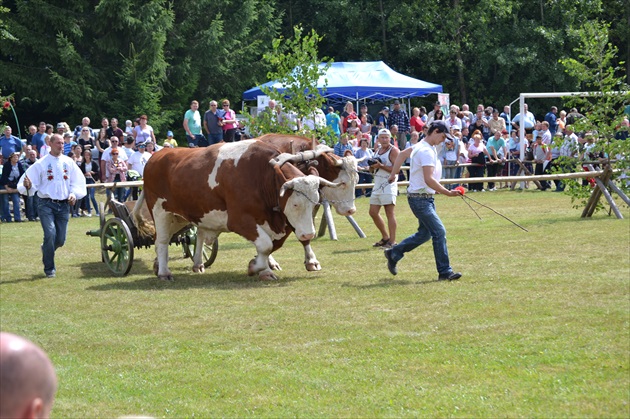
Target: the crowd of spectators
pixel 109 153
pixel 487 139
pixel 103 154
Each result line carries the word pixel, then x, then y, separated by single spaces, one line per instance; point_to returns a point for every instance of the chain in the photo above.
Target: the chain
pixel 307 197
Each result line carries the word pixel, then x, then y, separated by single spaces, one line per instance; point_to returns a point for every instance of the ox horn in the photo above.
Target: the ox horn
pixel 287 185
pixel 301 156
pixel 324 182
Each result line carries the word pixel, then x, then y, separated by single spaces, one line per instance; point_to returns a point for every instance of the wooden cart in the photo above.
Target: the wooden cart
pixel 119 236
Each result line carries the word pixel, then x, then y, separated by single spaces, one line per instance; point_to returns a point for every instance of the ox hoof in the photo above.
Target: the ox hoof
pixel 250 268
pixel 199 268
pixel 313 266
pixel 275 266
pixel 267 276
pixel 168 277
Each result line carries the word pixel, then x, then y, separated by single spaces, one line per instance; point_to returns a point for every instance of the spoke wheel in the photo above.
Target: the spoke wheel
pixel 209 250
pixel 117 246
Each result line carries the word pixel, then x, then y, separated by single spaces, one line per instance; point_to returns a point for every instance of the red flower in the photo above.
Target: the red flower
pixel 6 105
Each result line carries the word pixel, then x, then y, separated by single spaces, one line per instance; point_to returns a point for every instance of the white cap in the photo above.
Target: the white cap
pixel 384 131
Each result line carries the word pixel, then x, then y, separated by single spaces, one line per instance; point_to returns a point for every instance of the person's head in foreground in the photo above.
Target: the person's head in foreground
pixel 27 379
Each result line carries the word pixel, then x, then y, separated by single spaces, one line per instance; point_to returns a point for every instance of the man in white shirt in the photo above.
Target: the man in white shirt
pixel 424 177
pixel 529 120
pixel 139 159
pixel 136 162
pixel 58 182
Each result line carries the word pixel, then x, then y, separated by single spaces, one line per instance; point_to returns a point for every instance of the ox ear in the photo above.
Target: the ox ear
pixel 313 171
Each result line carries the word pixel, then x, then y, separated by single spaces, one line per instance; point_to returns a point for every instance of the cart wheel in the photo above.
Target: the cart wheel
pixel 117 246
pixel 209 250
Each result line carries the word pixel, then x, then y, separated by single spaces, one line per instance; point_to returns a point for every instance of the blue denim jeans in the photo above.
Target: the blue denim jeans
pixel 449 173
pixel 54 218
pixel 6 213
pixel 90 197
pixel 215 138
pixel 430 227
pixel 364 177
pixel 197 140
pixel 31 207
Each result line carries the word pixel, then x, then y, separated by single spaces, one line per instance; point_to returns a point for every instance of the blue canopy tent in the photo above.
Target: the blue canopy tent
pixel 355 81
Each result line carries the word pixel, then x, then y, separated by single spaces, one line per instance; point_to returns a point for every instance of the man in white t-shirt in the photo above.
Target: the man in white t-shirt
pixel 136 162
pixel 424 177
pixel 139 159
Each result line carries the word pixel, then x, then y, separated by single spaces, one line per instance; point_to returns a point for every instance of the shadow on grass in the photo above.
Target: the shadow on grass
pixel 358 250
pixel 98 270
pixel 388 282
pixel 185 281
pixel 32 278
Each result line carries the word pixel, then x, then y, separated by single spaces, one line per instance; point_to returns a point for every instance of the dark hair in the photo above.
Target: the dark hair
pixel 437 127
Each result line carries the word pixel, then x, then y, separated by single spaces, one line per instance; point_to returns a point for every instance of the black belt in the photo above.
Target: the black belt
pixel 56 201
pixel 420 195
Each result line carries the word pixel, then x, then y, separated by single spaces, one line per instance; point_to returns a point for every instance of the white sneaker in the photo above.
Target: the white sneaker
pixel 89 214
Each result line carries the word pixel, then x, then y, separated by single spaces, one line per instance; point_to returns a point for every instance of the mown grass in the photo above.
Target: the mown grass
pixel 538 325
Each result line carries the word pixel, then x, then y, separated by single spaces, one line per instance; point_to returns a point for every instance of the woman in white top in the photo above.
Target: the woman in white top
pixel 384 193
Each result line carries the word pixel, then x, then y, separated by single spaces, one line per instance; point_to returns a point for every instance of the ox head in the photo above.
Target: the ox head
pixel 301 203
pixel 341 197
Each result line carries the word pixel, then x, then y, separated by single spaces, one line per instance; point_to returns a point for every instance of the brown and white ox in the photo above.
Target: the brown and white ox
pixel 331 167
pixel 246 187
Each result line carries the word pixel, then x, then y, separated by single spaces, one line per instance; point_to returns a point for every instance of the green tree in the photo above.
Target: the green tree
pixel 69 56
pixel 73 58
pixel 296 67
pixel 595 71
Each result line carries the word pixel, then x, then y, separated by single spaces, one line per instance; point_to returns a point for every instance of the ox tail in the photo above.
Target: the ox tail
pixel 145 227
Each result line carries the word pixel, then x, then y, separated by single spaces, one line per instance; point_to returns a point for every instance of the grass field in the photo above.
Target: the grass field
pixel 537 327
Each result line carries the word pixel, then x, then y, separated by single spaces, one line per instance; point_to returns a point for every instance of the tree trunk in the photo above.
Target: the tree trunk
pixel 459 60
pixel 383 29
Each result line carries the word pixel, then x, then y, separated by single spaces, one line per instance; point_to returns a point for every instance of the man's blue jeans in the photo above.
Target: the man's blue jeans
pixel 31 207
pixel 54 217
pixel 197 140
pixel 430 227
pixel 215 138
